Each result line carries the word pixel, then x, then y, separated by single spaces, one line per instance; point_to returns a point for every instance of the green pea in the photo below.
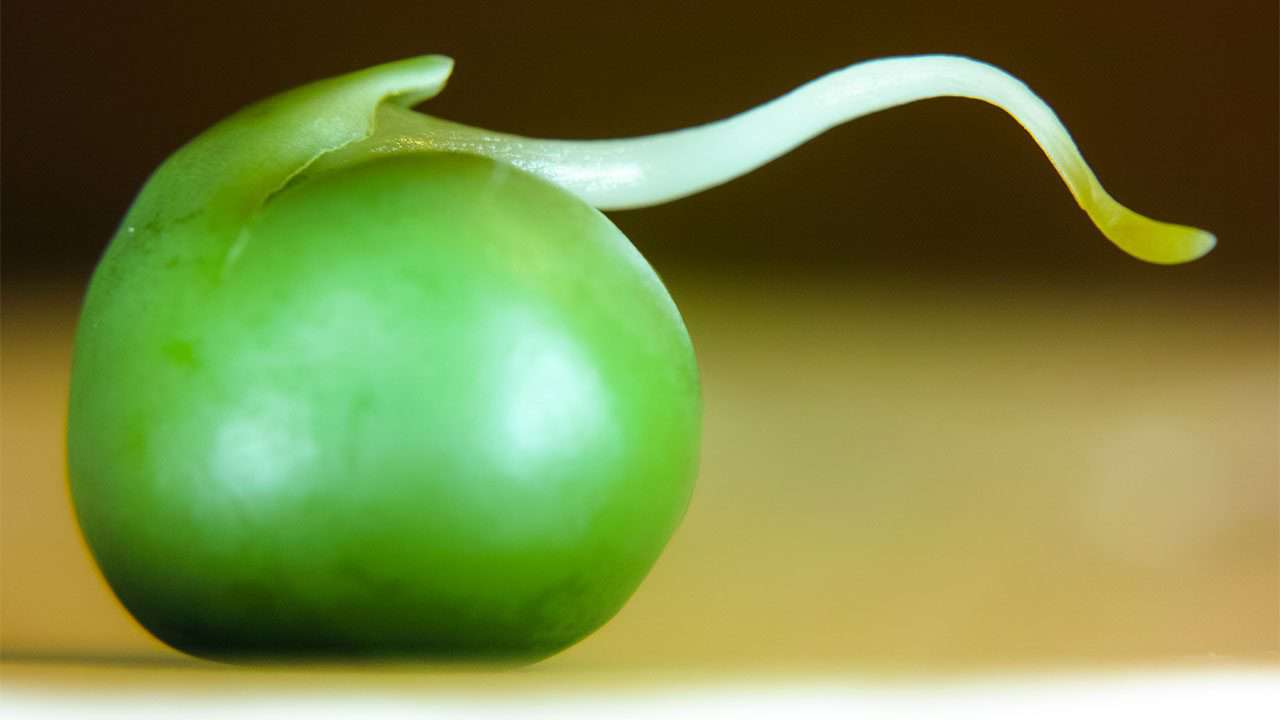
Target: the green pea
pixel 354 381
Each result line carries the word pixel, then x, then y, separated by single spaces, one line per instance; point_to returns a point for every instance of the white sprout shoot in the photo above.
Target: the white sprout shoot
pixel 654 169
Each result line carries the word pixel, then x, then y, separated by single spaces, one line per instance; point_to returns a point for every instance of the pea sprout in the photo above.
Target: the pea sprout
pixel 654 169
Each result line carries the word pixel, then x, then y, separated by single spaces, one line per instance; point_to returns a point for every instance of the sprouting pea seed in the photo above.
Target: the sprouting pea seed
pixel 354 381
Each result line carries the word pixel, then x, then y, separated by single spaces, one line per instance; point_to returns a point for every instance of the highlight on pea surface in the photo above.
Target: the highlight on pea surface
pixel 354 381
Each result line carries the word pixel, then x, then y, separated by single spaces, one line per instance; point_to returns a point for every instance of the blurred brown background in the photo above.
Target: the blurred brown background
pixel 1174 104
pixel 947 423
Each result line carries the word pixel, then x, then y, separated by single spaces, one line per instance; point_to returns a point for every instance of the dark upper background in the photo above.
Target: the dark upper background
pixel 1174 104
